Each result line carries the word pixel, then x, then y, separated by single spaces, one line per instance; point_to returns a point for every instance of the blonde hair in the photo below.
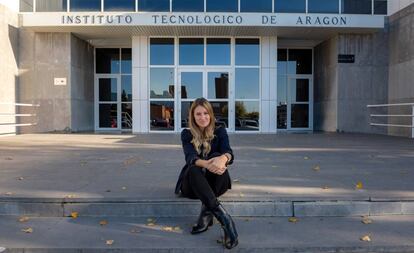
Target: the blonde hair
pixel 202 137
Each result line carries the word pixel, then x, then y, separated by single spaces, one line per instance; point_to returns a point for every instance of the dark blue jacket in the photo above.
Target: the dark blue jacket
pixel 219 145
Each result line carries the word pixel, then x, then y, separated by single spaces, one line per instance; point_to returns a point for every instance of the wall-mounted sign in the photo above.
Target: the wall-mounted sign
pixel 60 81
pixel 346 58
pixel 201 19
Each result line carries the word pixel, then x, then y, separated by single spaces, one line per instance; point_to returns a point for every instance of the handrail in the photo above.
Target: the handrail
pixel 394 115
pixel 15 115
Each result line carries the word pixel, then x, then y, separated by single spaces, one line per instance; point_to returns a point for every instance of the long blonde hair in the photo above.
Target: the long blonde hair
pixel 202 138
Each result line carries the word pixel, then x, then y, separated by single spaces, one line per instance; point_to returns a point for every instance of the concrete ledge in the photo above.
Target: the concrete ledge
pixel 340 208
pixel 31 209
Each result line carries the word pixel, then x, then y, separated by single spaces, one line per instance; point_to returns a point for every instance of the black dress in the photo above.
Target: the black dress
pixel 219 184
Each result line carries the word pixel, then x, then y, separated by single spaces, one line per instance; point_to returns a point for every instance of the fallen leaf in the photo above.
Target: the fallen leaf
pixel 306 158
pixel 8 158
pixel 241 195
pixel 24 219
pixel 123 188
pixel 293 219
pixel 365 238
pixel 103 222
pixel 8 193
pixel 150 220
pixel 359 185
pixel 177 228
pixel 169 229
pixel 366 220
pixel 74 215
pixel 275 166
pixel 236 180
pixel 27 230
pixel 109 242
pixel 70 196
pixel 325 187
pixel 150 224
pixel 317 168
pixel 20 178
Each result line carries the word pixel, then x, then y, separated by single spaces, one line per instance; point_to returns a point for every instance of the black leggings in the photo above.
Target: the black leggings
pixel 205 185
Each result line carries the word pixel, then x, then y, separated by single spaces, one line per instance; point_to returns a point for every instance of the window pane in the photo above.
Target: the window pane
pixel 218 85
pixel 162 115
pixel 300 61
pixel 282 89
pixel 282 61
pixel 323 6
pixel 356 6
pixel 290 6
pixel 126 88
pixel 299 90
pixel 185 108
pixel 154 5
pixel 51 5
pixel 126 61
pixel 192 51
pixel 218 51
pixel 85 5
pixel 247 83
pixel 188 5
pixel 222 6
pixel 107 60
pixel 256 6
pixel 108 115
pixel 119 5
pixel 191 84
pixel 247 116
pixel 281 116
pixel 107 89
pixel 221 112
pixel 162 51
pixel 126 115
pixel 380 7
pixel 300 116
pixel 26 5
pixel 162 82
pixel 247 52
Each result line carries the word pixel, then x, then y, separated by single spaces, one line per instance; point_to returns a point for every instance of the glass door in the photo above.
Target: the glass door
pixel 107 95
pixel 299 111
pixel 211 84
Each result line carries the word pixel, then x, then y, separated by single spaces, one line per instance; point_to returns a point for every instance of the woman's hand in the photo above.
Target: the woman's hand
pixel 217 165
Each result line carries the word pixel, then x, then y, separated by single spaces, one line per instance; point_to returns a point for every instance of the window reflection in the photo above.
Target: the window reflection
pixel 247 52
pixel 85 5
pixel 191 84
pixel 356 6
pixel 126 88
pixel 218 85
pixel 323 6
pixel 107 60
pixel 119 5
pixel 218 51
pixel 185 108
pixel 221 112
pixel 256 6
pixel 162 82
pixel 188 5
pixel 380 7
pixel 191 51
pixel 108 115
pixel 162 115
pixel 282 61
pixel 300 61
pixel 126 61
pixel 247 83
pixel 126 115
pixel 247 116
pixel 162 51
pixel 290 6
pixel 108 89
pixel 222 5
pixel 51 5
pixel 154 5
pixel 26 5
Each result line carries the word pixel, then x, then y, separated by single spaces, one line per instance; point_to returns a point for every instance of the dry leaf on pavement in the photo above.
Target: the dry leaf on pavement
pixel 23 219
pixel 359 185
pixel 317 168
pixel 103 222
pixel 109 242
pixel 293 219
pixel 74 215
pixel 27 230
pixel 366 220
pixel 306 158
pixel 20 178
pixel 365 238
pixel 167 228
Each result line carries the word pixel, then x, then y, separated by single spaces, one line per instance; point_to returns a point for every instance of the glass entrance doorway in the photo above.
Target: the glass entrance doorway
pixel 212 84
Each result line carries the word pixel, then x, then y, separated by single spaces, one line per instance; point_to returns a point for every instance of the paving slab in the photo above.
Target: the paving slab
pixel 86 234
pixel 276 167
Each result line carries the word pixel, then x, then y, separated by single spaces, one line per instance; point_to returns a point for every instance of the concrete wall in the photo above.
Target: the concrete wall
pixel 397 5
pixel 326 86
pixel 82 85
pixel 8 67
pixel 401 69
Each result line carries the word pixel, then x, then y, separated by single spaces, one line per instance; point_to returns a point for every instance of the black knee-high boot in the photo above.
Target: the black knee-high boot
pixel 204 220
pixel 227 223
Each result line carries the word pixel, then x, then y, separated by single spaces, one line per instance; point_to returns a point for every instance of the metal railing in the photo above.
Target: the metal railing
pixel 15 115
pixel 394 115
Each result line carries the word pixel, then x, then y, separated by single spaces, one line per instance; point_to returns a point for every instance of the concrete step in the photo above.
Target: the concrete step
pixel 269 234
pixel 54 207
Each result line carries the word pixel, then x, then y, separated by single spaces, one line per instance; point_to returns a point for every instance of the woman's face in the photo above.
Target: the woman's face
pixel 201 116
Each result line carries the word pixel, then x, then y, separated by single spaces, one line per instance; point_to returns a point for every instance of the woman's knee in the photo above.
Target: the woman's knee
pixel 195 170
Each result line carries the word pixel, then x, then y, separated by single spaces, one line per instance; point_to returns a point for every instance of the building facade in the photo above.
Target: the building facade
pixel 266 66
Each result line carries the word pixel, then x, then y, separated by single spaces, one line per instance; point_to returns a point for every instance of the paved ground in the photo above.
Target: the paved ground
pixel 387 234
pixel 269 167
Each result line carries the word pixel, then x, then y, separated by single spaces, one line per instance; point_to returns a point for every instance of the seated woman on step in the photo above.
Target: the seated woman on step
pixel 205 176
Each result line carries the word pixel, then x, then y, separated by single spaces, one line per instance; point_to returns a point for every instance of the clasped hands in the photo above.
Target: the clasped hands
pixel 216 165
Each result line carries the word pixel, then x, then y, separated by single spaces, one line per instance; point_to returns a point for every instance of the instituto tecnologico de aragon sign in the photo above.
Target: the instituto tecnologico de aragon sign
pixel 201 19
